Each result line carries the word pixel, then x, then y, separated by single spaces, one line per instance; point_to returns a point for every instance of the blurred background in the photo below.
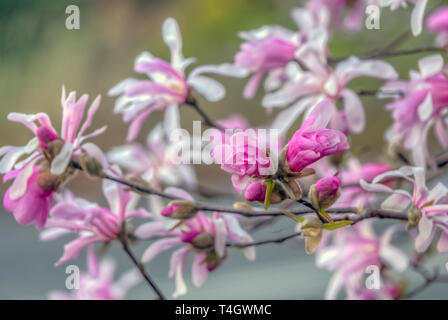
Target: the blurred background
pixel 38 55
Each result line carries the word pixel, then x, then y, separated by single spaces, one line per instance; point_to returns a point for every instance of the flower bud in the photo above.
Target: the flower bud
pixel 91 166
pixel 180 209
pixel 414 216
pixel 325 192
pixel 48 181
pixel 255 192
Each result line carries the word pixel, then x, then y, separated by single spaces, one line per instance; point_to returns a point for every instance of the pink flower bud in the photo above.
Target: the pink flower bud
pixel 328 186
pixel 46 135
pixel 438 21
pixel 189 236
pixel 307 147
pixel 255 192
pixel 168 211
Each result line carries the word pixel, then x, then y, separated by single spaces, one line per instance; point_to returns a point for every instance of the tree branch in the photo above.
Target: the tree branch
pixel 262 242
pixel 192 102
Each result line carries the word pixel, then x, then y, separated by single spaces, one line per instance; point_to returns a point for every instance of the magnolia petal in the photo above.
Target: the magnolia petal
pixel 211 89
pixel 430 65
pixel 151 229
pixel 354 111
pixel 62 160
pixel 220 236
pixel 425 110
pixel 20 184
pixel 72 249
pixel 426 233
pixel 159 246
pixel 199 270
pixel 417 17
pixel 394 258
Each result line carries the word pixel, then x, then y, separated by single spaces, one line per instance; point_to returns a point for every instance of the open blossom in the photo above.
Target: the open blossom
pixel 305 88
pixel 244 154
pixel 35 179
pixel 154 162
pixel 168 87
pixel 438 23
pixel 352 251
pixel 203 236
pixel 418 13
pixel 424 98
pixel 428 209
pixel 313 140
pixel 90 221
pixel 98 282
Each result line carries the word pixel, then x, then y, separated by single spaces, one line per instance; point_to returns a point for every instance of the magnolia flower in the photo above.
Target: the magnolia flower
pixel 438 23
pixel 168 87
pixel 48 156
pixel 90 221
pixel 418 13
pixel 325 192
pixel 426 208
pixel 98 283
pixel 203 236
pixel 313 141
pixel 256 191
pixel 154 162
pixel 244 154
pixel 421 106
pixel 352 251
pixel 304 89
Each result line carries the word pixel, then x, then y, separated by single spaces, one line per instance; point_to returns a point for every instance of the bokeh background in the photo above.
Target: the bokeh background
pixel 38 55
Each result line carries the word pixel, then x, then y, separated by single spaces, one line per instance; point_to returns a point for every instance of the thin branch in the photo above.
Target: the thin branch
pixel 192 102
pixel 262 242
pixel 124 242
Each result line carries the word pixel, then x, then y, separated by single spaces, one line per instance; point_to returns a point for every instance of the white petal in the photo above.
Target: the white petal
pixel 426 108
pixel 417 17
pixel 430 65
pixel 211 89
pixel 354 111
pixel 220 237
pixel 394 257
pixel 62 160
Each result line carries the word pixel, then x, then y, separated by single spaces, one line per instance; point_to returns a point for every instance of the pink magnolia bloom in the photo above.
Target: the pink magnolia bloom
pixel 26 192
pixel 244 155
pixel 438 23
pixel 425 97
pixel 304 89
pixel 98 283
pixel 167 87
pixel 203 236
pixel 431 205
pixel 256 191
pixel 154 162
pixel 418 13
pixel 33 205
pixel 90 221
pixel 328 186
pixel 352 251
pixel 313 141
pixel 353 195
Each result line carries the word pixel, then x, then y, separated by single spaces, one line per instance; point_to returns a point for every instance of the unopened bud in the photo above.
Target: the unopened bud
pixel 256 191
pixel 48 181
pixel 325 192
pixel 203 242
pixel 180 209
pixel 414 216
pixel 91 166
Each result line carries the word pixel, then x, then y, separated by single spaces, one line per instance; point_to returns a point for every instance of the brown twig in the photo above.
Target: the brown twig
pixel 262 242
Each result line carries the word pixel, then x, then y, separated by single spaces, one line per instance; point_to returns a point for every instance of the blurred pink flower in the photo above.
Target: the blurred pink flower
pixel 352 251
pixel 168 87
pixel 390 291
pixel 98 283
pixel 89 221
pixel 154 162
pixel 204 236
pixel 313 141
pixel 319 81
pixel 431 205
pixel 352 194
pixel 420 107
pixel 438 23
